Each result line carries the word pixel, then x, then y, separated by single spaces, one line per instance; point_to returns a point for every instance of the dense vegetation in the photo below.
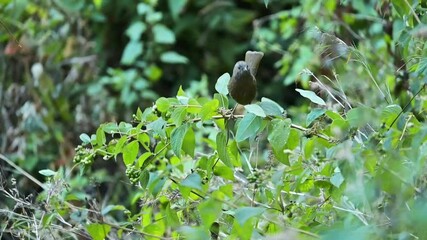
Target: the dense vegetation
pixel 116 120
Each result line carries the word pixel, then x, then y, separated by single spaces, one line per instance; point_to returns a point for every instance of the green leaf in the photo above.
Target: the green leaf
pixel 255 109
pixel 370 163
pixel 158 127
pixel 194 106
pixel 132 51
pixel 176 6
pixel 71 5
pixel 271 108
pixel 144 140
pixel 209 211
pixel 389 114
pixel 47 172
pixel 279 133
pixel 163 104
pixel 111 208
pixel 337 179
pixel 119 145
pixel 125 127
pixel 130 151
pixel 100 136
pixel 172 216
pixel 173 57
pixel 177 138
pixel 162 34
pixel 156 228
pixel 221 146
pixel 143 8
pixel 233 153
pixel 144 179
pixel 194 233
pixel 178 115
pixel 294 139
pixel 224 172
pixel 314 114
pixel 180 92
pixel 333 115
pixel 402 7
pixel 98 231
pixel 135 31
pixel 360 116
pixel 266 3
pixel 153 17
pixel 248 127
pixel 243 214
pixel 85 138
pixel 221 85
pixel 189 144
pixel 111 128
pixel 311 96
pixel 209 109
pixel 223 100
pixel 193 181
pixel 143 157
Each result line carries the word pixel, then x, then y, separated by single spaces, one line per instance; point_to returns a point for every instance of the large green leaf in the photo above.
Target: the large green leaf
pixel 270 107
pixel 130 151
pixel 209 109
pixel 209 211
pixel 177 138
pixel 278 133
pixel 248 127
pixel 98 231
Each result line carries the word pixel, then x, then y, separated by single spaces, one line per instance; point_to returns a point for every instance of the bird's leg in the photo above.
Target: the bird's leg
pixel 232 111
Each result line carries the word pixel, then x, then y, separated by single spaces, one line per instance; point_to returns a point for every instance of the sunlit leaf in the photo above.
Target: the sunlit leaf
pixel 130 151
pixel 312 96
pixel 98 231
pixel 221 85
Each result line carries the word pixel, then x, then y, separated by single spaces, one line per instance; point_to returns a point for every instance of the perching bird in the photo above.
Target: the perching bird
pixel 242 85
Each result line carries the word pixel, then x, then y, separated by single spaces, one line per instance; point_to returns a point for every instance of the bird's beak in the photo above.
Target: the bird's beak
pixel 247 68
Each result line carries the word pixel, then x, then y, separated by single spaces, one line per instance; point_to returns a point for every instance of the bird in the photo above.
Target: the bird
pixel 242 85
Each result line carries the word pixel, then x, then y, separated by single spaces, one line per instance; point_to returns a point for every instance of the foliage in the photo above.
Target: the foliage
pixel 346 161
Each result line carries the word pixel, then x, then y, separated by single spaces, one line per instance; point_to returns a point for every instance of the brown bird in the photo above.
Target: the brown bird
pixel 242 85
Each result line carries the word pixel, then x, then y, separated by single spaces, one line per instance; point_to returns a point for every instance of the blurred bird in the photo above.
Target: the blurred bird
pixel 242 86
